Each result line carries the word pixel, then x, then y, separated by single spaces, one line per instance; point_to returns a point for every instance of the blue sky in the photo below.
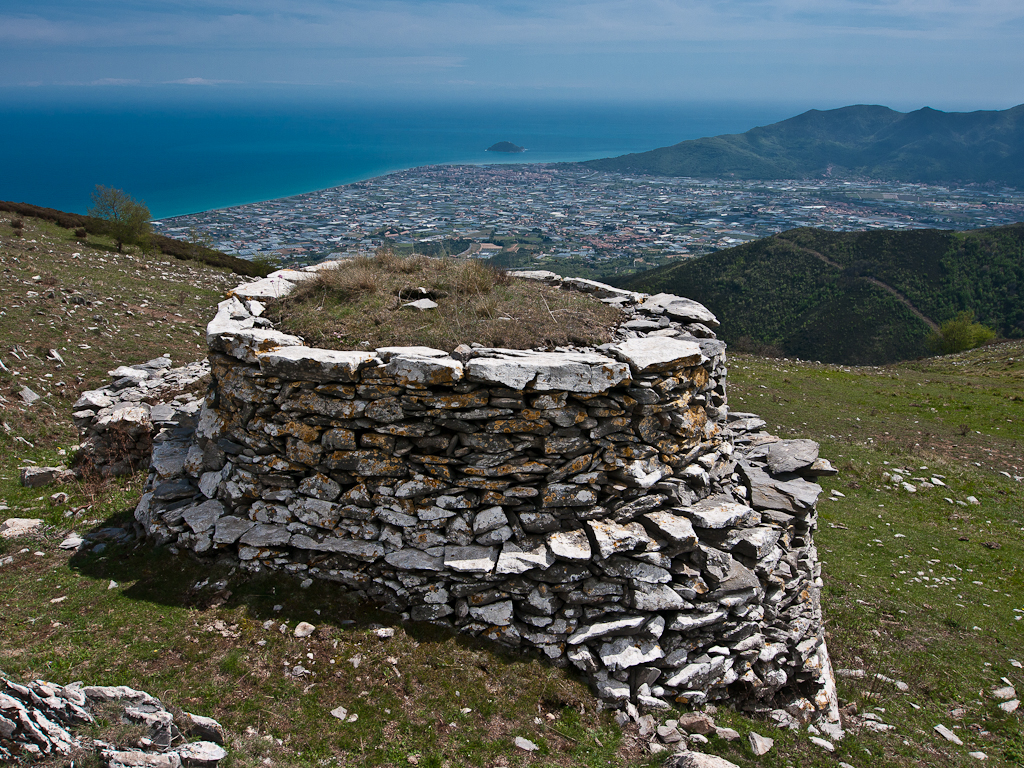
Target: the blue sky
pixel 948 54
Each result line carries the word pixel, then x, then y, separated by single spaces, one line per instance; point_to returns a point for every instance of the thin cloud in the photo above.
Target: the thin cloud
pixel 199 81
pixel 418 25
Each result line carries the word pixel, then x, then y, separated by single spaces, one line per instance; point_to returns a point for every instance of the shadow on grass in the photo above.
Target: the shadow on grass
pixel 187 581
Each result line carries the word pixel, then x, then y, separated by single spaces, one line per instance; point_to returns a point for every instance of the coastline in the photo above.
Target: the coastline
pixel 196 158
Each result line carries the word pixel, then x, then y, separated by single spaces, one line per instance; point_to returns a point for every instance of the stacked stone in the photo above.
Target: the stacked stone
pixel 116 423
pixel 36 719
pixel 40 719
pixel 601 505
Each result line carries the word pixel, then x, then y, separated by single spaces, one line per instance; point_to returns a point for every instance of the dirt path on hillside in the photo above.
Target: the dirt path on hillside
pixel 874 281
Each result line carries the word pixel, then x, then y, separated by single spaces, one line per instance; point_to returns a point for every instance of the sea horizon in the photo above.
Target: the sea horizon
pixel 182 158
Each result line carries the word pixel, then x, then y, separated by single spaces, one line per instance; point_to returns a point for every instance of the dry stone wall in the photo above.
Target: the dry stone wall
pixel 602 506
pixel 116 423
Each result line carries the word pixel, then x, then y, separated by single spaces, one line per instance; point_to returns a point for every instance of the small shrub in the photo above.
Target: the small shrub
pixel 959 334
pixel 80 233
pixel 17 224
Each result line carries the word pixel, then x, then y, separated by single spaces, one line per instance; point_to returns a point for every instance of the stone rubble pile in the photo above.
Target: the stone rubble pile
pixel 40 718
pixel 602 506
pixel 116 423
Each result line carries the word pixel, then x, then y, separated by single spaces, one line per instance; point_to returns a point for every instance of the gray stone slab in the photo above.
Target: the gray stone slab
pixel 570 545
pixel 676 528
pixel 423 371
pixel 515 560
pixel 720 512
pixel 414 560
pixel 313 364
pixel 624 626
pixel 471 559
pixel 791 455
pixel 567 371
pixel 230 529
pixel 656 597
pixel 266 535
pixel 168 458
pixel 367 551
pixel 612 538
pixel 683 310
pixel 658 354
pixel 497 614
pixel 203 517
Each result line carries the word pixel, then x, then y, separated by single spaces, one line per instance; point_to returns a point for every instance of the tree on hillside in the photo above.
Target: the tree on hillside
pixel 960 333
pixel 127 219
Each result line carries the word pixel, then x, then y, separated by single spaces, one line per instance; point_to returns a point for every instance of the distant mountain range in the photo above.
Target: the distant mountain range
pixel 860 298
pixel 860 141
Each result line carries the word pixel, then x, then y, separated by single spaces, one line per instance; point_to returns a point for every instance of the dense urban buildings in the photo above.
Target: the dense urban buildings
pixel 575 220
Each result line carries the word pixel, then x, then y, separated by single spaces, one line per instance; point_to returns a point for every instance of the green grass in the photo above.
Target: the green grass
pixel 206 651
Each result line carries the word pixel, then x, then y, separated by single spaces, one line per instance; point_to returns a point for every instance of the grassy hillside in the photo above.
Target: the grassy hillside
pixel 138 616
pixel 872 141
pixel 826 296
pixel 161 243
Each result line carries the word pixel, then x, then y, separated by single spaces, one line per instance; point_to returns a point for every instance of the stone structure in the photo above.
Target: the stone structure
pixel 116 423
pixel 41 719
pixel 602 506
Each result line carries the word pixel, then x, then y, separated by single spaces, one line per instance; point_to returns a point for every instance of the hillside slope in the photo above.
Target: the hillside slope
pixel 221 641
pixel 854 297
pixel 871 141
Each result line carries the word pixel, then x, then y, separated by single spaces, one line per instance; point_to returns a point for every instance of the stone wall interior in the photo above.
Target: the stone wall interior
pixel 602 506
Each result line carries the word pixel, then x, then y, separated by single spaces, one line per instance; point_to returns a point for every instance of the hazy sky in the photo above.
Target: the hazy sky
pixel 949 54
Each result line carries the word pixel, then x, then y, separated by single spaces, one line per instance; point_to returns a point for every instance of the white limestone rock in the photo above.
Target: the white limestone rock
pixel 625 652
pixel 681 309
pixel 570 545
pixel 613 538
pixel 265 288
pixel 496 614
pixel 676 528
pixel 14 527
pixel 720 512
pixel 202 517
pixel 312 364
pixel 658 355
pixel 424 371
pixel 584 372
pixel 471 559
pixel 515 560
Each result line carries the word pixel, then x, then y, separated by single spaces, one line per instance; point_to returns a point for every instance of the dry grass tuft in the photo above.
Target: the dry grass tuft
pixel 360 305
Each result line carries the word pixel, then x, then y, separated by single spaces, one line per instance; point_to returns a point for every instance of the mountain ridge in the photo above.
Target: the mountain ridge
pixel 868 141
pixel 862 298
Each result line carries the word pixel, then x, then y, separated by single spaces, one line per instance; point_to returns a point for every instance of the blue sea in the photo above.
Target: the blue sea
pixel 186 155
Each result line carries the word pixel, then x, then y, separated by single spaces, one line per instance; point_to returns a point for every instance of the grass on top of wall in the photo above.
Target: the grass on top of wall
pixel 360 305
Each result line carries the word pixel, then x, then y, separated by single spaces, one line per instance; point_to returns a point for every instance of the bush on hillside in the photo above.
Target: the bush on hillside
pixel 960 333
pixel 179 249
pixel 127 218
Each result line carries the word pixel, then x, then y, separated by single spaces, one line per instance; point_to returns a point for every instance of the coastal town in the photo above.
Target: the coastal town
pixel 574 220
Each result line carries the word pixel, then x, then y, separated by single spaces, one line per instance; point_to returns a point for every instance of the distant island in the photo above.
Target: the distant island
pixel 505 146
pixel 861 141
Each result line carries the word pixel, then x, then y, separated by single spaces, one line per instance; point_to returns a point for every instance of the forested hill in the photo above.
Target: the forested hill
pixel 868 141
pixel 853 297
